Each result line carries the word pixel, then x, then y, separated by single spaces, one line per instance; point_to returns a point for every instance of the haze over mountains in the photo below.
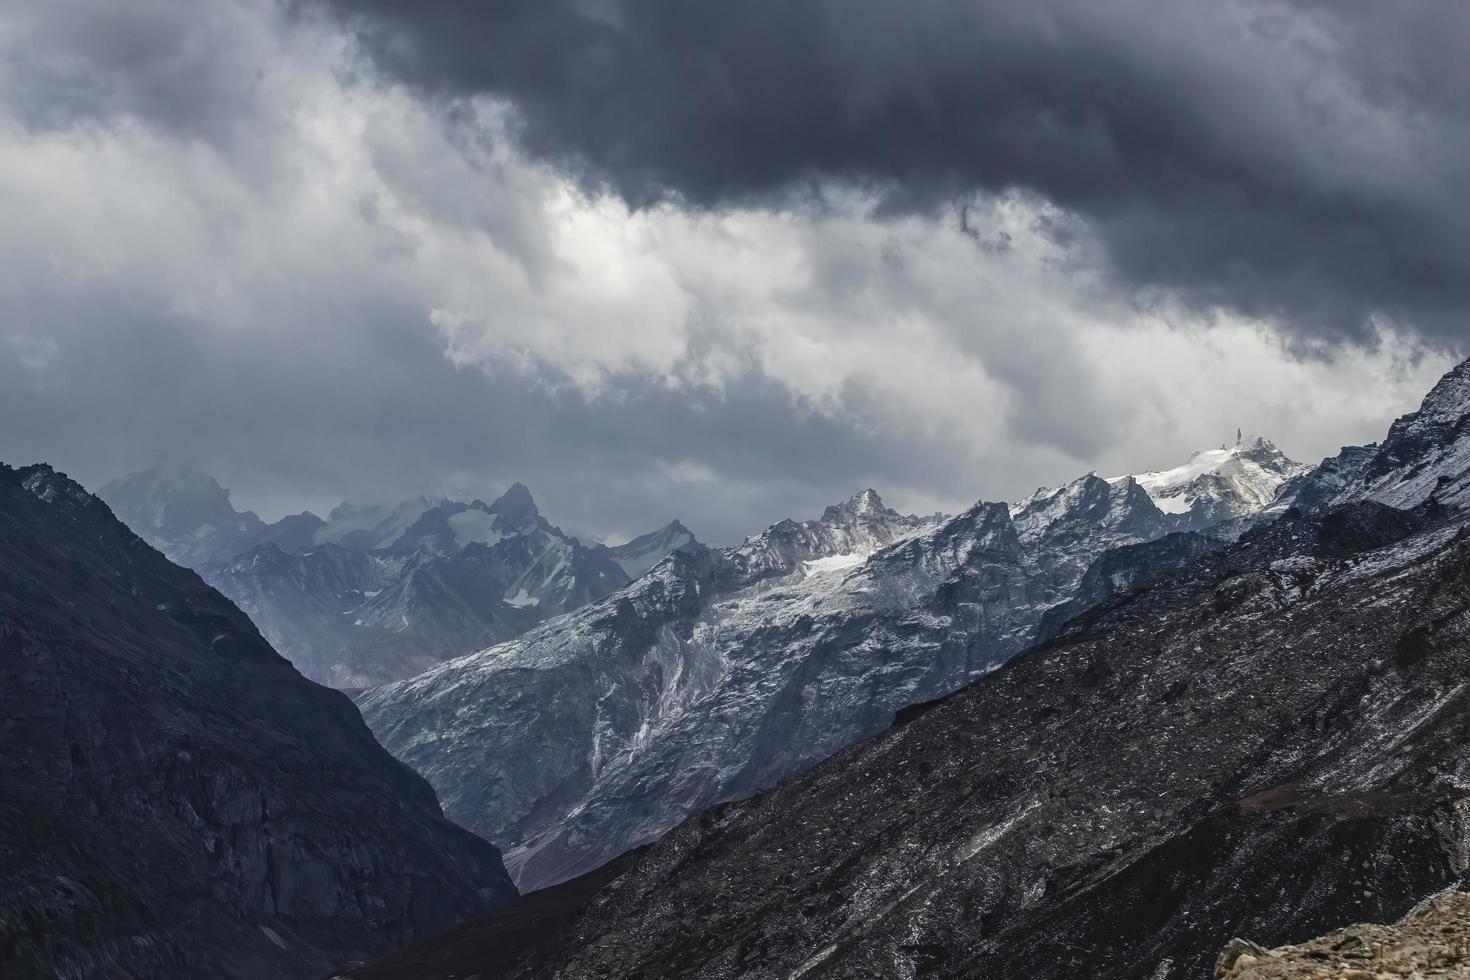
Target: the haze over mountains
pixel 375 593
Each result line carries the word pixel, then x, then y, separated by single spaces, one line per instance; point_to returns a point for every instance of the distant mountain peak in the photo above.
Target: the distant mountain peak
pixel 647 550
pixel 516 505
pixel 182 512
pixel 1216 485
pixel 865 503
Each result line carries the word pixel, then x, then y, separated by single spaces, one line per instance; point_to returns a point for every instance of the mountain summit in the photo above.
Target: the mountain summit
pixel 1218 485
pixel 643 552
pixel 516 506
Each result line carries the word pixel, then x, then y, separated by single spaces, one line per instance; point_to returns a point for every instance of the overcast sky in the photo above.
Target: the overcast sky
pixel 726 261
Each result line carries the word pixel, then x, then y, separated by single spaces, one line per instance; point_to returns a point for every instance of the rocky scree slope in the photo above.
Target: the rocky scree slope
pixel 718 674
pixel 1432 943
pixel 178 801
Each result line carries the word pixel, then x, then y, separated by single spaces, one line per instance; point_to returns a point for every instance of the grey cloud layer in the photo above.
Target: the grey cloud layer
pixel 1298 162
pixel 218 245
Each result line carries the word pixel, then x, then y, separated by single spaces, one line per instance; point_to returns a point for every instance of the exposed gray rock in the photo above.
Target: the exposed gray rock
pixel 1268 740
pixel 352 619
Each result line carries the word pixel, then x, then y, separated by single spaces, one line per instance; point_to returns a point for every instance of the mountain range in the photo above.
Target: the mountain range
pixel 720 673
pixel 1257 734
pixel 376 593
pixel 1099 731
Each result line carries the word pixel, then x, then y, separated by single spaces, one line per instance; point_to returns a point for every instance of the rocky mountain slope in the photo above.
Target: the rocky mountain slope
pixel 178 801
pixel 717 674
pixel 1271 741
pixel 375 593
pixel 1424 458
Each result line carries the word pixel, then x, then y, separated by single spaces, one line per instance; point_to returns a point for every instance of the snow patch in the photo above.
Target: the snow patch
pixel 833 563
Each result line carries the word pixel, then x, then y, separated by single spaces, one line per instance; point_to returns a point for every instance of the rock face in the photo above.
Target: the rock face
pixel 1426 456
pixel 717 674
pixel 1425 459
pixel 376 593
pixel 178 801
pixel 1432 943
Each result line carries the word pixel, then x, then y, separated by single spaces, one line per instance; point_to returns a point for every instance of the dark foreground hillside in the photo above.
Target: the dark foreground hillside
pixel 175 799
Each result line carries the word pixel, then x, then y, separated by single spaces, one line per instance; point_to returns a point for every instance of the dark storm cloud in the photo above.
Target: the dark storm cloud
pixel 388 418
pixel 1303 163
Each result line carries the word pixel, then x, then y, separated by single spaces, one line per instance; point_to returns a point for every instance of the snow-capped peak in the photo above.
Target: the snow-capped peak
pixel 643 552
pixel 1219 484
pixel 864 505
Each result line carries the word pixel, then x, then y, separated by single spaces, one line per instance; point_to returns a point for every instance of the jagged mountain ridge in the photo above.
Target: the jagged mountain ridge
pixel 379 592
pixel 733 688
pixel 717 674
pixel 179 801
pixel 1424 458
pixel 355 618
pixel 1270 741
